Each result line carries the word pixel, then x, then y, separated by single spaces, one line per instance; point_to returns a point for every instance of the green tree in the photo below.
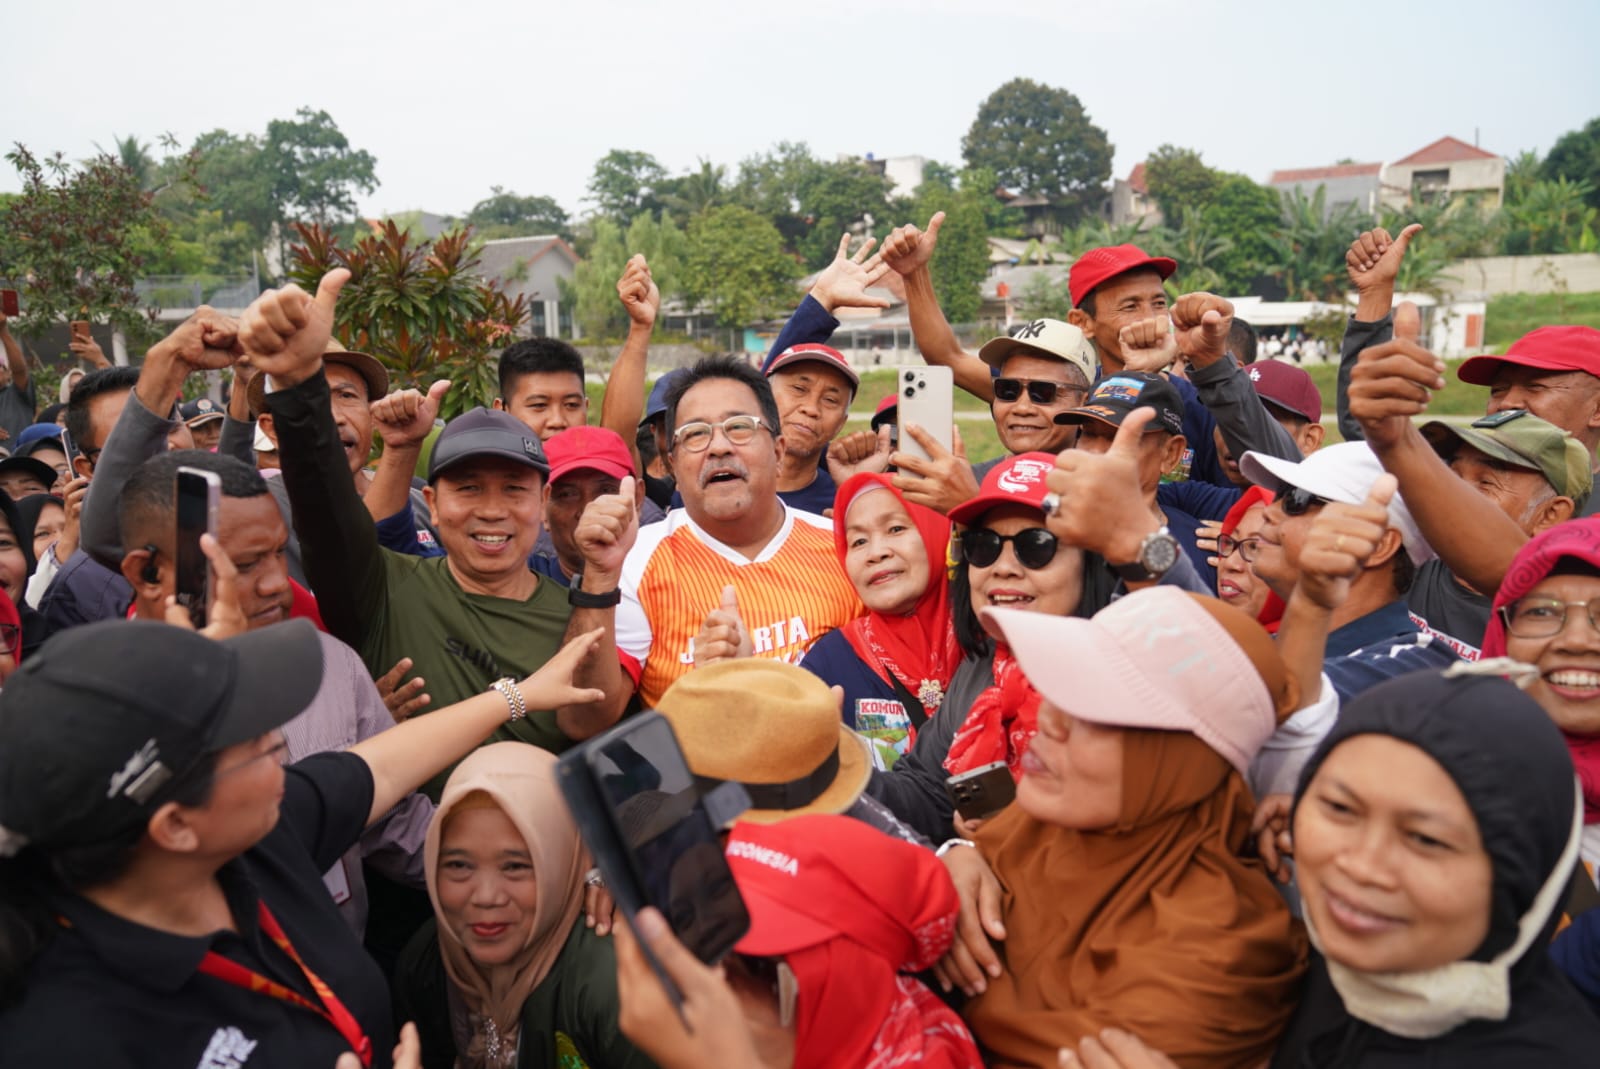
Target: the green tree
pixel 1247 214
pixel 1576 157
pixel 689 195
pixel 75 240
pixel 1552 217
pixel 504 214
pixel 735 266
pixel 1042 298
pixel 1178 179
pixel 626 184
pixel 315 173
pixel 593 289
pixel 961 258
pixel 834 197
pixel 1039 139
pixel 1308 250
pixel 418 306
pixel 770 185
pixel 1199 247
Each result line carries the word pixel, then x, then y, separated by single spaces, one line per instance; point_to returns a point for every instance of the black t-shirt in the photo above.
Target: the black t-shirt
pixel 109 993
pixel 1448 607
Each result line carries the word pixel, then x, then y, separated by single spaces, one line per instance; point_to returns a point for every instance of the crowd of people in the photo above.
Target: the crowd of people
pixel 1173 736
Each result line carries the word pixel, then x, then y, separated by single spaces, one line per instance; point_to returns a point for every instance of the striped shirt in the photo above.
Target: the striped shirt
pixel 790 595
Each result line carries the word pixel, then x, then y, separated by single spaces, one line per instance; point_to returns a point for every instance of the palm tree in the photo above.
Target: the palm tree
pixel 698 191
pixel 1308 252
pixel 134 155
pixel 1553 217
pixel 1197 247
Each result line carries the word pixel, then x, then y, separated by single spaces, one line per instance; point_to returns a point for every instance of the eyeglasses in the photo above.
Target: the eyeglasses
pixel 1039 392
pixel 1035 547
pixel 1297 502
pixel 277 751
pixel 9 634
pixel 1545 617
pixel 1247 548
pixel 696 437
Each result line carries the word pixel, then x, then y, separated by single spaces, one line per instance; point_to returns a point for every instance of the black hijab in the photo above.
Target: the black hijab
pixel 1511 765
pixel 29 509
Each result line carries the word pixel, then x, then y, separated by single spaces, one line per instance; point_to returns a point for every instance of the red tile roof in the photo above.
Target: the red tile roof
pixel 1315 174
pixel 1136 179
pixel 1446 150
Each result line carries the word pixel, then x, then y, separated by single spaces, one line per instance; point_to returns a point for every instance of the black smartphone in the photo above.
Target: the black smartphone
pixel 198 495
pixel 983 791
pixel 70 447
pixel 646 823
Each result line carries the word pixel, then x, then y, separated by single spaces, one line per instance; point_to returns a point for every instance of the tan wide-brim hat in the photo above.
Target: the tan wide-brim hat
pixel 775 729
pixel 364 364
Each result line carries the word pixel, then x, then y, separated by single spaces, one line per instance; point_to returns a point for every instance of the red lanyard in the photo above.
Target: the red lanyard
pixel 332 1010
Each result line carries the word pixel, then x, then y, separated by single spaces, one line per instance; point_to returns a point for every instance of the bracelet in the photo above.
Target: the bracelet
pixel 513 695
pixel 584 599
pixel 944 848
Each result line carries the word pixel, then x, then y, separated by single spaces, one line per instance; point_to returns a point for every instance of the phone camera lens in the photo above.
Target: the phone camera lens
pixel 911 376
pixel 911 391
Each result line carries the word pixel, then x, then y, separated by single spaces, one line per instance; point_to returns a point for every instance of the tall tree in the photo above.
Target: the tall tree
pixel 1178 179
pixel 593 290
pixel 688 195
pixel 1039 139
pixel 1247 214
pixel 1309 248
pixel 75 240
pixel 315 172
pixel 1576 157
pixel 503 214
pixel 1553 217
pixel 961 258
pixel 834 197
pixel 626 184
pixel 735 265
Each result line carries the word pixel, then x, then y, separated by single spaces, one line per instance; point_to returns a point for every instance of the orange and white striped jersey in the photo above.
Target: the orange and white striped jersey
pixel 791 595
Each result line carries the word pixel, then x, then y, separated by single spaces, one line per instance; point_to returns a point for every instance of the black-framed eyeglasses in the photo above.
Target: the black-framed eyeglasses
pixel 1298 501
pixel 696 437
pixel 1545 617
pixel 1247 548
pixel 1035 547
pixel 1040 391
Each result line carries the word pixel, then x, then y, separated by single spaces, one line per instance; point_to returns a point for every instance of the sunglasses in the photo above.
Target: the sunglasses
pixel 1297 502
pixel 1039 392
pixel 1035 547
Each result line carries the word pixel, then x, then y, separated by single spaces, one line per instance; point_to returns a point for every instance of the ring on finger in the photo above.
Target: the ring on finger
pixel 592 878
pixel 1338 544
pixel 1051 503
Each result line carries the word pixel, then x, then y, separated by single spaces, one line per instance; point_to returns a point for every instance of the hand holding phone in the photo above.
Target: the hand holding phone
pixel 927 399
pixel 199 494
pixel 982 792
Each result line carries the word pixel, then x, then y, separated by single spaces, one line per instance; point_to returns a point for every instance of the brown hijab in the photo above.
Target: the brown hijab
pixel 1156 925
pixel 521 780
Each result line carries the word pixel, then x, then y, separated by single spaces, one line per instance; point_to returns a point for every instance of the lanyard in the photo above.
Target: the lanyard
pixel 332 1010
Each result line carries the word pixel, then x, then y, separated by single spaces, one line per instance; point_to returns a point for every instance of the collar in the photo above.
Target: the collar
pixel 148 957
pixel 1391 621
pixel 732 555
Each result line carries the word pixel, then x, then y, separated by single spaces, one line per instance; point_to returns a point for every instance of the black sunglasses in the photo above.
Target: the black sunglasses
pixel 1039 392
pixel 1035 547
pixel 1297 502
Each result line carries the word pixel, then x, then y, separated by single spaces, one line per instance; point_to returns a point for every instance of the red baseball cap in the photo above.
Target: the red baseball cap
pixel 888 411
pixel 1548 348
pixel 817 354
pixel 1017 480
pixel 594 448
pixel 1286 386
pixel 1097 265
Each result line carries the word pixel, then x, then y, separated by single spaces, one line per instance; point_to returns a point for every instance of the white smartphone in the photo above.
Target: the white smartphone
pixel 927 398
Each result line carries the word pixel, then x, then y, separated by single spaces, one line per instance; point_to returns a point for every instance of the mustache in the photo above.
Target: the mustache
pixel 723 467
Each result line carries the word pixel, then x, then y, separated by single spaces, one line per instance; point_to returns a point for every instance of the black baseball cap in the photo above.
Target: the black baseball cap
pixel 1117 395
pixel 488 432
pixel 100 725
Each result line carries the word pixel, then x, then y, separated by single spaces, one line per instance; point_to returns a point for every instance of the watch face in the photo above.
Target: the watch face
pixel 1159 553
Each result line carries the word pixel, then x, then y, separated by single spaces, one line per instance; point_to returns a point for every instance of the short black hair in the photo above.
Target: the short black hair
pixel 645 439
pixel 535 356
pixel 1405 571
pixel 106 380
pixel 723 367
pixel 1242 341
pixel 147 496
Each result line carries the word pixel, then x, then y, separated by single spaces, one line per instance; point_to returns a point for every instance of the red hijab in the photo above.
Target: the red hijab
pixel 9 615
pixel 919 649
pixel 1255 497
pixel 1580 540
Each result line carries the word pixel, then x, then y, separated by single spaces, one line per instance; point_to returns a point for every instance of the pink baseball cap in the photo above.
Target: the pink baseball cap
pixel 584 447
pixel 1017 480
pixel 1159 658
pixel 1548 348
pixel 818 354
pixel 1098 265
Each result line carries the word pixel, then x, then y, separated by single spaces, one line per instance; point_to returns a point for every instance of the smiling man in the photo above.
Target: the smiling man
pixel 813 386
pixel 735 572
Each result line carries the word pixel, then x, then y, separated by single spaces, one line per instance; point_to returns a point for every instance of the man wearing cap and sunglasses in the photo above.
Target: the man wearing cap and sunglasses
pixel 467 619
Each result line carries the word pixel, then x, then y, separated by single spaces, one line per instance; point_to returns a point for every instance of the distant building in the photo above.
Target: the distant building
pixel 533 268
pixel 1354 184
pixel 1446 168
pixel 1130 201
pixel 904 171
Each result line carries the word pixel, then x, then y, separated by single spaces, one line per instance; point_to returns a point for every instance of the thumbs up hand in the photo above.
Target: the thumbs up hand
pixel 723 636
pixel 1394 381
pixel 606 531
pixel 285 331
pixel 1101 506
pixel 1342 540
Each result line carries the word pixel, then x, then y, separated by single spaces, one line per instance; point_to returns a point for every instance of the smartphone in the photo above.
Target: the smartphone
pixel 927 398
pixel 8 303
pixel 982 792
pixel 70 447
pixel 645 821
pixel 198 495
pixel 80 329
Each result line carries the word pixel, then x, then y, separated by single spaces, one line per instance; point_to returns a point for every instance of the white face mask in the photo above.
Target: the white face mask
pixel 1427 1004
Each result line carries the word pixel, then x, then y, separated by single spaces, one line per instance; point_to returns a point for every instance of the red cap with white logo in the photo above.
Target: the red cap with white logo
pixel 1017 480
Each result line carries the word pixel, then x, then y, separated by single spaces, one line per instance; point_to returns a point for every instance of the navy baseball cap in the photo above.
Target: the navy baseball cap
pixel 486 432
pixel 657 405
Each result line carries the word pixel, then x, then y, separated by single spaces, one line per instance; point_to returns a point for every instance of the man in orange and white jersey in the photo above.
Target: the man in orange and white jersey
pixel 735 572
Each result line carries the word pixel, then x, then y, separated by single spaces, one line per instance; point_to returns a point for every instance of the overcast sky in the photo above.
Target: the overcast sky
pixel 452 98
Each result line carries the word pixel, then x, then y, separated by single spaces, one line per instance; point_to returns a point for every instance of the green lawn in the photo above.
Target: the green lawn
pixel 1513 315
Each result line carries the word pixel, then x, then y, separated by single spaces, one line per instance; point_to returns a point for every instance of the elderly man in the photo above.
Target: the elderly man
pixel 681 593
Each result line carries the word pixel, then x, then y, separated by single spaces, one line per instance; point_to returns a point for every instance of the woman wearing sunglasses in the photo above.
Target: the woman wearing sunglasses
pixel 895 661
